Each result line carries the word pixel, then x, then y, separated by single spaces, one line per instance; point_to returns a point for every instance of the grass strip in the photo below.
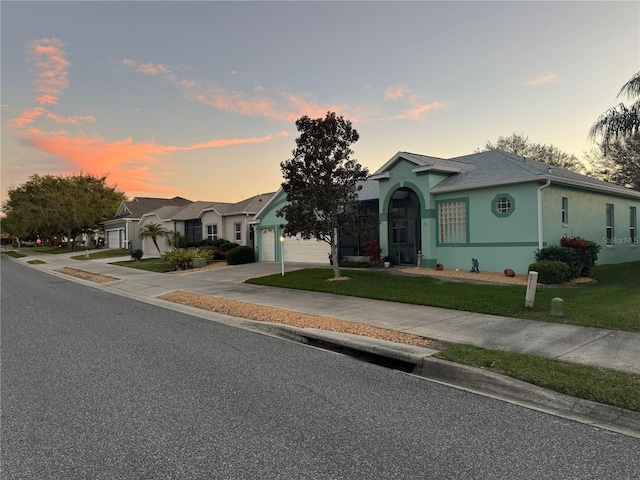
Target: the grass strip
pixel 148 264
pixel 14 254
pixel 611 387
pixel 612 302
pixel 36 262
pixel 107 253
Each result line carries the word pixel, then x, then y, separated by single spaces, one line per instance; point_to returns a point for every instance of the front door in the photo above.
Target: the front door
pixel 404 227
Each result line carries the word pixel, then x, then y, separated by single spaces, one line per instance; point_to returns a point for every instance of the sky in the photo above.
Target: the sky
pixel 200 99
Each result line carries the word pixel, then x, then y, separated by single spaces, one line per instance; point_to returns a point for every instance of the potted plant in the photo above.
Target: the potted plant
pixel 387 261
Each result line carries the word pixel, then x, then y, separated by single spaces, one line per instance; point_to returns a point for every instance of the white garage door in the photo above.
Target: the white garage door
pixel 297 249
pixel 113 239
pixel 268 245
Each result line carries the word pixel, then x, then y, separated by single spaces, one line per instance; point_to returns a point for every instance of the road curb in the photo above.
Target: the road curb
pixel 472 379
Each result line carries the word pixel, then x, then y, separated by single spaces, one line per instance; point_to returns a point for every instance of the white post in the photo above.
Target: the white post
pixel 282 253
pixel 531 289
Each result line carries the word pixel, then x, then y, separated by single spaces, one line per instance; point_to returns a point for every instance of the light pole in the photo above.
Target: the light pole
pixel 282 253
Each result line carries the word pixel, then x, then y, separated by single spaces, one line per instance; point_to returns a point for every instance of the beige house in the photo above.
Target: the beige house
pixel 202 220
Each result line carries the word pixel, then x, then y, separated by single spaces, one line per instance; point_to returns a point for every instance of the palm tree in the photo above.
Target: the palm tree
pixel 620 122
pixel 153 231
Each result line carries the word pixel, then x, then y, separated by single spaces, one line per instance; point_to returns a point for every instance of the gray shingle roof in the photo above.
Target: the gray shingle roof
pixel 141 205
pixel 496 167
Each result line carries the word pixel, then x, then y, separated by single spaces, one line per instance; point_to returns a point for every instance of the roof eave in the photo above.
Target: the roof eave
pixel 614 189
pixel 437 169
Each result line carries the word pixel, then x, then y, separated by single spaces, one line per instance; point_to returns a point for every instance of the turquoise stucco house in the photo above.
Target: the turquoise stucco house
pixel 493 206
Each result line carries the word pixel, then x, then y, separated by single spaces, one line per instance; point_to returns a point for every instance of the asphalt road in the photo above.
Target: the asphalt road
pixel 97 386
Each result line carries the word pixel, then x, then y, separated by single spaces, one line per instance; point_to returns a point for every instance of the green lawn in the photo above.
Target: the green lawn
pixel 590 383
pixel 149 264
pixel 104 253
pixel 612 302
pixel 55 250
pixel 14 254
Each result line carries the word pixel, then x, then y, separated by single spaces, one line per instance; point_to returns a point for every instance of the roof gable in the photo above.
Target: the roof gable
pixel 137 207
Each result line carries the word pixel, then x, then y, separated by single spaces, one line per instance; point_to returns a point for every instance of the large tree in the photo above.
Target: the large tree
pixel 519 144
pixel 50 205
pixel 621 121
pixel 620 164
pixel 321 182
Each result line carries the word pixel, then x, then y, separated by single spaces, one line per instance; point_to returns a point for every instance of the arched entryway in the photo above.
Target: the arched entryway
pixel 404 226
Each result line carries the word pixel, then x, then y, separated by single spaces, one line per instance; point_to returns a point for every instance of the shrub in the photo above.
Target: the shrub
pixel 137 255
pixel 551 271
pixel 561 254
pixel 219 254
pixel 179 258
pixel 373 251
pixel 239 255
pixel 587 252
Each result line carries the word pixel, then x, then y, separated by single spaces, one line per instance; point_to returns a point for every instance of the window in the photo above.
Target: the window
pixel 633 234
pixel 503 205
pixel 452 222
pixel 565 210
pixel 237 228
pixel 212 232
pixel 609 224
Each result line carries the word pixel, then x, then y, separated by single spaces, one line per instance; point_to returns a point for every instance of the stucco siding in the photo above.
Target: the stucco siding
pixel 586 218
pixel 498 240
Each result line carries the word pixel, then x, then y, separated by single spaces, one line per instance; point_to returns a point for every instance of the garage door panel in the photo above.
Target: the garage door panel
pixel 307 251
pixel 268 245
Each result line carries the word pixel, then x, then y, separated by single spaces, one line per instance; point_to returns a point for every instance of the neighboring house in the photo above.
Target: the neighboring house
pixel 121 231
pixel 493 206
pixel 271 245
pixel 231 220
pixel 200 220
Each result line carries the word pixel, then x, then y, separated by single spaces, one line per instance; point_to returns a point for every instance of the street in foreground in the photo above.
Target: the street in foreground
pixel 95 385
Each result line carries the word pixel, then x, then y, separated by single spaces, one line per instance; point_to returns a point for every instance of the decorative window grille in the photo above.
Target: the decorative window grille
pixel 452 222
pixel 503 205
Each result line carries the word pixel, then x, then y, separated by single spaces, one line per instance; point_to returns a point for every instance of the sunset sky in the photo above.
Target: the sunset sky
pixel 199 99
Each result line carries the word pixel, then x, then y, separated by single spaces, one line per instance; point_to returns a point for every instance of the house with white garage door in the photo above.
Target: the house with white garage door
pixel 495 207
pixel 271 245
pixel 121 231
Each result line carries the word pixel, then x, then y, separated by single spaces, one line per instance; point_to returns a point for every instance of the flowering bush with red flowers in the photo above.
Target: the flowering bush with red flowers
pixel 587 252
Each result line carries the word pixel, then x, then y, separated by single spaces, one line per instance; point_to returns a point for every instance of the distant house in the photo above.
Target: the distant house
pixel 493 206
pixel 121 231
pixel 203 220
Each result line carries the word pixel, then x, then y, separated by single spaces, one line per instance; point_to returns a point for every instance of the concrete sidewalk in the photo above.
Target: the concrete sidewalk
pixel 591 346
pixel 585 345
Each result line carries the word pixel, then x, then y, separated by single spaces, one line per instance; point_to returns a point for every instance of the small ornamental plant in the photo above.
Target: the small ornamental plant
pixel 373 250
pixel 587 252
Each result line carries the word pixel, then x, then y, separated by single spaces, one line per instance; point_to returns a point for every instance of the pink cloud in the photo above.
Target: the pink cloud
pixel 51 66
pixel 147 68
pixel 234 141
pixel 548 78
pixel 395 92
pixel 236 102
pixel 419 110
pixel 70 120
pixel 128 163
pixel 27 117
pixel 151 69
